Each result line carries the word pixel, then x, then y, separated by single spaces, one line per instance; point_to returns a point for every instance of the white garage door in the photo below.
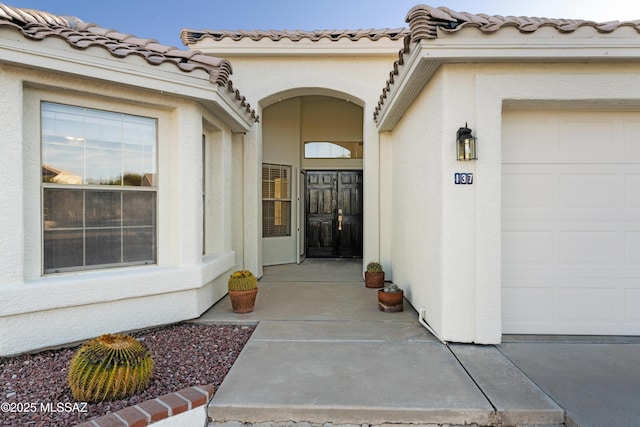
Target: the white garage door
pixel 571 222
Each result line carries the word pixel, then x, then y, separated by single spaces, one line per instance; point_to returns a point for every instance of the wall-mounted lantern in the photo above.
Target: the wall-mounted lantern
pixel 466 144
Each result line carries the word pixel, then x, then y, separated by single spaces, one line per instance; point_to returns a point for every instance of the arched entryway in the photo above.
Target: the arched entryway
pixel 312 182
pixel 333 213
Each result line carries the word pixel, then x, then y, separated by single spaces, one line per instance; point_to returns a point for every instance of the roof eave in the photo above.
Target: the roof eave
pixel 427 56
pixel 129 72
pixel 223 105
pixel 227 47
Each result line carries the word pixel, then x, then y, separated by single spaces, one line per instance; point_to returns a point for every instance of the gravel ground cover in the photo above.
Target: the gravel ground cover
pixel 34 390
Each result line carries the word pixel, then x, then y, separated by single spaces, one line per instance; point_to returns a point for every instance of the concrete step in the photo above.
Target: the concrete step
pixel 516 399
pixel 294 424
pixel 314 374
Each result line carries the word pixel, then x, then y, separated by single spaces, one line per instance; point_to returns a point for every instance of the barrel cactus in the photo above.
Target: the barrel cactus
pixel 110 367
pixel 374 267
pixel 242 280
pixel 374 275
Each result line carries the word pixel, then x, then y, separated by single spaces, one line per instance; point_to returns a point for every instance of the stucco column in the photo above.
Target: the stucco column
pixel 459 209
pixel 227 189
pixel 371 202
pixel 186 184
pixel 252 209
pixel 11 175
pixel 471 215
pixel 489 212
pixel 385 219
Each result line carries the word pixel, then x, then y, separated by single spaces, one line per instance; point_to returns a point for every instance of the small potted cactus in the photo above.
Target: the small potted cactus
pixel 374 276
pixel 391 299
pixel 243 288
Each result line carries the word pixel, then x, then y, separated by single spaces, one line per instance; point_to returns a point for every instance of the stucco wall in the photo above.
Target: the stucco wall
pixel 11 171
pixel 330 119
pixel 446 238
pixel 289 123
pixel 281 146
pixel 269 79
pixel 414 195
pixel 39 310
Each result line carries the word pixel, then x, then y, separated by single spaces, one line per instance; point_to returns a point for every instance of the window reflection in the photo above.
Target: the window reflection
pixel 332 150
pixel 95 213
pixel 86 146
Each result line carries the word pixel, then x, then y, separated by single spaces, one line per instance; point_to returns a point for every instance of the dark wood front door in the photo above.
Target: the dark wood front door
pixel 333 205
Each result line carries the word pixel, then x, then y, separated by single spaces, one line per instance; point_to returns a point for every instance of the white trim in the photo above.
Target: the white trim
pixel 507 46
pixel 304 47
pixel 82 288
pixel 133 71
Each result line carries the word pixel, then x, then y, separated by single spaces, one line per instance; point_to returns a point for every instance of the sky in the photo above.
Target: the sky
pixel 164 19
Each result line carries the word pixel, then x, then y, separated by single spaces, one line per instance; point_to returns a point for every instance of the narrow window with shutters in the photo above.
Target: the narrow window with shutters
pixel 276 200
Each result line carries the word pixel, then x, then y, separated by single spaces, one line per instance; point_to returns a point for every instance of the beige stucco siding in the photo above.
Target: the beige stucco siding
pixel 68 307
pixel 281 146
pixel 446 239
pixel 412 212
pixel 352 81
pixel 287 125
pixel 11 196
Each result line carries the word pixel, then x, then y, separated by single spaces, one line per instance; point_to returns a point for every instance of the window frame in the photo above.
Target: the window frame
pixel 86 189
pixel 286 200
pixel 330 145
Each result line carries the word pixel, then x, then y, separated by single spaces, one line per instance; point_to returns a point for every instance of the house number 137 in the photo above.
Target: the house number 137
pixel 463 178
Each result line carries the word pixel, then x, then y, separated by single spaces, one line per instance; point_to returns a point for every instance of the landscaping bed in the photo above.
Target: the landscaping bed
pixel 35 391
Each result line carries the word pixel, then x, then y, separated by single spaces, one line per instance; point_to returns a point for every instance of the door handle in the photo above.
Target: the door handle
pixel 339 219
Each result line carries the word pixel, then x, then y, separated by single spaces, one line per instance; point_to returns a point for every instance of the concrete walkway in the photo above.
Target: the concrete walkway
pixel 323 353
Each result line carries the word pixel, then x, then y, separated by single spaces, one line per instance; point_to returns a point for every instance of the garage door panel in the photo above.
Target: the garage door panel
pixel 527 247
pixel 571 223
pixel 531 191
pixel 632 191
pixel 631 142
pixel 583 138
pixel 528 306
pixel 632 249
pixel 631 304
pixel 587 305
pixel 576 192
pixel 588 248
pixel 589 190
pixel 536 145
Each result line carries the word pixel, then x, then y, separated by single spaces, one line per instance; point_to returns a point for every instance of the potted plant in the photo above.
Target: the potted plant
pixel 243 288
pixel 390 299
pixel 374 276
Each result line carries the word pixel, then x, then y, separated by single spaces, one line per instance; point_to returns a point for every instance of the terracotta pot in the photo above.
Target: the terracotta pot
pixel 374 280
pixel 390 302
pixel 243 301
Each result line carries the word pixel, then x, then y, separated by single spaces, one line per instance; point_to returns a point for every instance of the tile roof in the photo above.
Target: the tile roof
pixel 425 22
pixel 38 25
pixel 192 36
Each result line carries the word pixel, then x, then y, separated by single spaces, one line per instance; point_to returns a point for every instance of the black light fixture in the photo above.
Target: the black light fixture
pixel 466 144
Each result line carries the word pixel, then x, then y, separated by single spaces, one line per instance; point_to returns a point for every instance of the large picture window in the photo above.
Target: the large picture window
pixel 99 188
pixel 276 200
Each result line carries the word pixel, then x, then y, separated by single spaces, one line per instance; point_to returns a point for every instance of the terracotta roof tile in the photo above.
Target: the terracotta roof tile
pixel 192 36
pixel 425 22
pixel 38 25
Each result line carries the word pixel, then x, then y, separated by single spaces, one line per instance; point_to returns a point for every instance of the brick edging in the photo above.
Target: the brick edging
pixel 157 409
